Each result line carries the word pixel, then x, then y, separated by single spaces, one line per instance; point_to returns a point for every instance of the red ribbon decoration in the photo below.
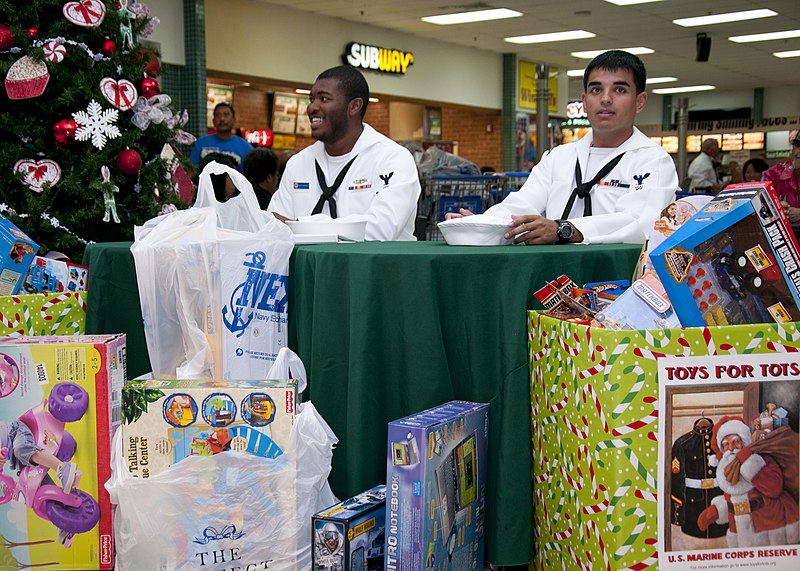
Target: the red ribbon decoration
pixel 83 7
pixel 118 94
pixel 38 171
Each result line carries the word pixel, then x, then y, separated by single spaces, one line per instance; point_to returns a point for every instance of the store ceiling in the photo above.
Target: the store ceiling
pixel 731 66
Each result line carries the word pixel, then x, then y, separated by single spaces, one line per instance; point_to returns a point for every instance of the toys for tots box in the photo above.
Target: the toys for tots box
pixel 436 488
pixel 16 256
pixel 62 395
pixel 43 314
pixel 735 262
pixel 349 536
pixel 164 421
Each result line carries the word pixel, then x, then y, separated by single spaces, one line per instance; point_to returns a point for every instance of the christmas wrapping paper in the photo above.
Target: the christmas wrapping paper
pixel 43 314
pixel 594 411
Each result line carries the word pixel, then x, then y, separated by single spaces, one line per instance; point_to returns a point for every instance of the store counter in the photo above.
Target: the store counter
pixel 386 329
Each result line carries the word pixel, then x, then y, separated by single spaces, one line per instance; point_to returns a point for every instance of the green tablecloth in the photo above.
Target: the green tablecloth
pixel 386 329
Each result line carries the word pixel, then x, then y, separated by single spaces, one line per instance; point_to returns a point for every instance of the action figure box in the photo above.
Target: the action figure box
pixel 47 275
pixel 350 535
pixel 16 256
pixel 60 394
pixel 164 421
pixel 735 262
pixel 436 488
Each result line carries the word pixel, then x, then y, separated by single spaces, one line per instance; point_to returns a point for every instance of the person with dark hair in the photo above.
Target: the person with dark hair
pixel 224 140
pixel 703 169
pixel 352 172
pixel 753 169
pixel 609 186
pixel 261 169
pixel 222 183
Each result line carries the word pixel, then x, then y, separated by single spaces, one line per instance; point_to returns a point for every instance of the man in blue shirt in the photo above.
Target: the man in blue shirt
pixel 224 140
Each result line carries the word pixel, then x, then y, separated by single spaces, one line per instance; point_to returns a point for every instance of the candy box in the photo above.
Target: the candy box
pixel 734 262
pixel 350 535
pixel 16 256
pixel 164 421
pixel 436 488
pixel 61 394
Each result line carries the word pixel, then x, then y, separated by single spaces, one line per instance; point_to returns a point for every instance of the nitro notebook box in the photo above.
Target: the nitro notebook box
pixel 350 535
pixel 164 421
pixel 436 488
pixel 60 394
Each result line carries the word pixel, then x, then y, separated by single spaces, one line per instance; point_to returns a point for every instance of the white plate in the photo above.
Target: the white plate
pixel 350 231
pixel 474 231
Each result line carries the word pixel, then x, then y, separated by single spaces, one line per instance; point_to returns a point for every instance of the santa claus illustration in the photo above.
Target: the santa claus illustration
pixel 755 505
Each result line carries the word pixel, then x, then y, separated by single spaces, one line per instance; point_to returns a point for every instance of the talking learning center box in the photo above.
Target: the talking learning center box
pixel 16 256
pixel 164 421
pixel 349 536
pixel 735 262
pixel 61 394
pixel 436 488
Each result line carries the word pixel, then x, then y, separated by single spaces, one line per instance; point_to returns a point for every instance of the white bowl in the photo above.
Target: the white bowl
pixel 475 231
pixel 353 231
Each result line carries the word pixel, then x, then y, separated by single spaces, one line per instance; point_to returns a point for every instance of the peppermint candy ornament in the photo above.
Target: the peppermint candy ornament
pixel 86 13
pixel 38 173
pixel 54 51
pixel 121 94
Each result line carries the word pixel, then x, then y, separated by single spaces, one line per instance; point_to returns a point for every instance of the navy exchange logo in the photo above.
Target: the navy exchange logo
pixel 640 180
pixel 385 178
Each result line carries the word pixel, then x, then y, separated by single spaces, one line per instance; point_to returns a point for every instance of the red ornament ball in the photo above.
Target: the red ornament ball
pixel 150 87
pixel 32 33
pixel 129 161
pixel 7 40
pixel 108 47
pixel 64 131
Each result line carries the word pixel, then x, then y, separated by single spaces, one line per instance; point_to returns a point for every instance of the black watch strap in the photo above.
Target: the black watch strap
pixel 565 231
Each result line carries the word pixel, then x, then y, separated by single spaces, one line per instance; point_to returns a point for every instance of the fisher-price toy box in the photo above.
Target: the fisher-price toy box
pixel 436 488
pixel 16 256
pixel 735 262
pixel 64 394
pixel 350 535
pixel 164 421
pixel 47 275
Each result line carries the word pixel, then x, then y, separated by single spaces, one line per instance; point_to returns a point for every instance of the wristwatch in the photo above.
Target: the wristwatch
pixel 565 231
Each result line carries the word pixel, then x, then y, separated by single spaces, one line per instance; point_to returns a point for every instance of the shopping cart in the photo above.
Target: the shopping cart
pixel 443 194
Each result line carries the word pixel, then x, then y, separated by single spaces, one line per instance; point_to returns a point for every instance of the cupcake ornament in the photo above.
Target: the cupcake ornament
pixel 26 78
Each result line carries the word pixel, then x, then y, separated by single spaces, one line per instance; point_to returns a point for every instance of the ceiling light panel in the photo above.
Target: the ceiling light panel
pixel 785 35
pixel 594 53
pixel 471 17
pixel 552 37
pixel 724 18
pixel 687 89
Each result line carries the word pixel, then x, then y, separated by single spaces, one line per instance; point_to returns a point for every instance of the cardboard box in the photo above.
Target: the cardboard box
pixel 43 314
pixel 167 420
pixel 16 256
pixel 66 391
pixel 436 488
pixel 735 262
pixel 47 275
pixel 350 536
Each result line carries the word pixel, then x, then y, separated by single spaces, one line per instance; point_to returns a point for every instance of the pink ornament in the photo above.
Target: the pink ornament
pixel 38 173
pixel 86 13
pixel 129 161
pixel 121 94
pixel 54 51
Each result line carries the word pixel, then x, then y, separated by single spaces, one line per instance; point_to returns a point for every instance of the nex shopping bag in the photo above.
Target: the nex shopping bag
pixel 212 285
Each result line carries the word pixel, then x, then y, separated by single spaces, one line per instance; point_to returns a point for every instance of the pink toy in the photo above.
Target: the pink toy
pixel 9 375
pixel 76 512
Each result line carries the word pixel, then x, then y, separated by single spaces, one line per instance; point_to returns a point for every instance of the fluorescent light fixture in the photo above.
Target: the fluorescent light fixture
pixel 594 53
pixel 631 2
pixel 687 89
pixel 575 72
pixel 303 91
pixel 373 99
pixel 665 79
pixel 470 17
pixel 724 18
pixel 766 37
pixel 552 37
pixel 792 53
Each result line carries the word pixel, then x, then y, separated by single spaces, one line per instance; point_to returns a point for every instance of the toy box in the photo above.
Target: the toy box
pixel 642 306
pixel 64 394
pixel 735 262
pixel 16 256
pixel 164 421
pixel 349 536
pixel 43 314
pixel 436 488
pixel 48 275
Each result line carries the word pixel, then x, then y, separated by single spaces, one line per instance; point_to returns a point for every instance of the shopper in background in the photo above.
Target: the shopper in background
pixel 609 186
pixel 260 167
pixel 352 171
pixel 222 183
pixel 786 178
pixel 224 140
pixel 703 169
pixel 753 169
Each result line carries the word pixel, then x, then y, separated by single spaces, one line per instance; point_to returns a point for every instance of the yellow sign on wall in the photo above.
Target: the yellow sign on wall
pixel 527 87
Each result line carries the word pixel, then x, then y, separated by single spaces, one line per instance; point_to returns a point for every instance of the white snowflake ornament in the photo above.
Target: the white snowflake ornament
pixel 96 124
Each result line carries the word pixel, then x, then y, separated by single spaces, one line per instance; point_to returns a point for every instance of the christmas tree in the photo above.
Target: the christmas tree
pixel 85 133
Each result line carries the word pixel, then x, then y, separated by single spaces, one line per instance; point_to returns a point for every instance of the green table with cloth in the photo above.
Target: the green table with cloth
pixel 387 329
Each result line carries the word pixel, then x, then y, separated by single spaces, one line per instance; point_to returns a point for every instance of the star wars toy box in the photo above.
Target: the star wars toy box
pixel 735 262
pixel 164 421
pixel 60 394
pixel 436 488
pixel 16 256
pixel 349 536
pixel 47 275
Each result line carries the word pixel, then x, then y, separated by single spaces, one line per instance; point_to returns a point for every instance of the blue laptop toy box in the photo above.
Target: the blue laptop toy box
pixel 436 488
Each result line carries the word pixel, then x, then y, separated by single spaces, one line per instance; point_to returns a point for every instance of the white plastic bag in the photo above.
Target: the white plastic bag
pixel 226 511
pixel 289 366
pixel 212 285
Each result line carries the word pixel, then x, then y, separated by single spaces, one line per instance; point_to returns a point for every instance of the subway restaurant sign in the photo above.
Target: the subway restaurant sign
pixel 384 60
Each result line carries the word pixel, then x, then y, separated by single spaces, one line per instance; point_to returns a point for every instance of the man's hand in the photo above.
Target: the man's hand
pixel 707 517
pixel 792 213
pixel 460 214
pixel 535 229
